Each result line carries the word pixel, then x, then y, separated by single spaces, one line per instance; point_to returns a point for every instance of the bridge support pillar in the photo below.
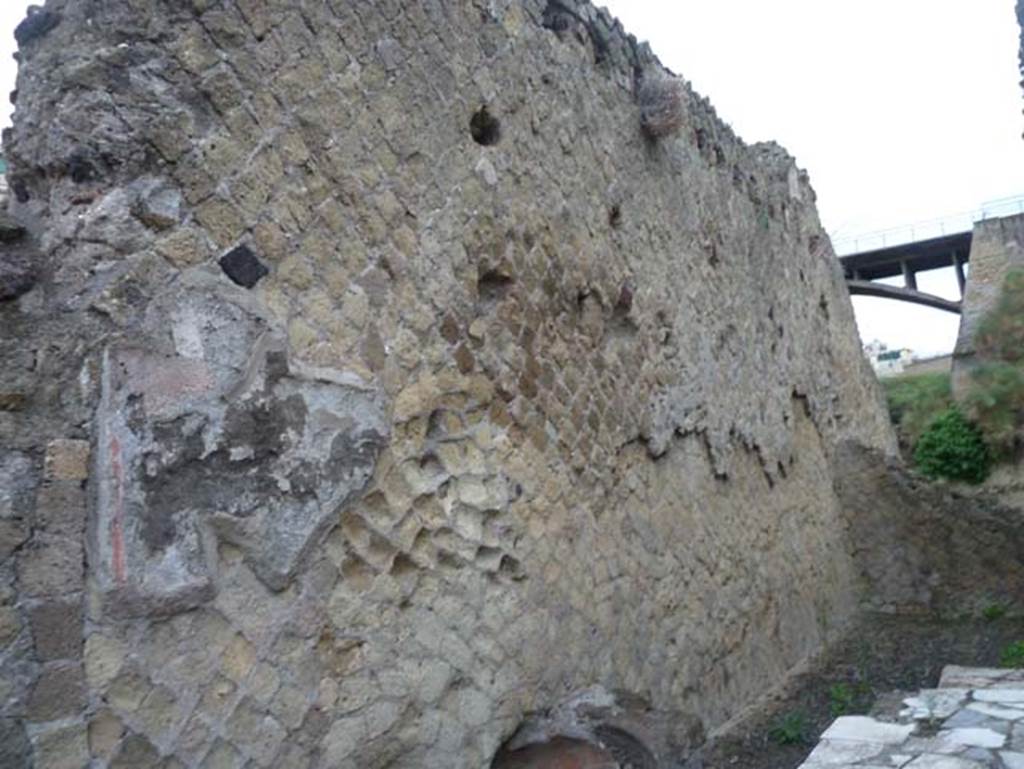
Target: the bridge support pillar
pixel 996 248
pixel 909 277
pixel 958 265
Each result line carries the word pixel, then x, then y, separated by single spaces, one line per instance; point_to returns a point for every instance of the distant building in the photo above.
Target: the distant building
pixel 887 362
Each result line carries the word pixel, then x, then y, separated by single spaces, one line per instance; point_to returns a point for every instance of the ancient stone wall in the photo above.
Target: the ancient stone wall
pixel 931 549
pixel 371 378
pixel 997 246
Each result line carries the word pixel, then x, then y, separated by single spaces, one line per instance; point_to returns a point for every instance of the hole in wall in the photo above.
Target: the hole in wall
pixel 557 18
pixel 403 566
pixel 510 568
pixel 621 320
pixel 615 217
pixel 493 286
pixel 485 128
pixel 701 138
pixel 80 169
pixel 20 190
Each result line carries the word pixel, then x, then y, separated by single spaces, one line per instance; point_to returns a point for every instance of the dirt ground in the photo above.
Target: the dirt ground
pixel 880 655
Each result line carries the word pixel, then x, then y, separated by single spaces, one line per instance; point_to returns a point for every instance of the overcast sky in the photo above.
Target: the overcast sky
pixel 901 110
pixel 11 12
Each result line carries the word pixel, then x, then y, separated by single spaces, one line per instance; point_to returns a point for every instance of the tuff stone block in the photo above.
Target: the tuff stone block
pixel 61 747
pixel 58 692
pixel 17 495
pixel 136 752
pixel 61 508
pixel 57 629
pixel 66 460
pixel 105 732
pixel 50 566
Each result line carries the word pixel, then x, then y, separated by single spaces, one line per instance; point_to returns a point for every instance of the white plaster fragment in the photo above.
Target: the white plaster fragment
pixel 1012 760
pixel 974 737
pixel 999 695
pixel 188 340
pixel 929 761
pixel 838 753
pixel 864 729
pixel 485 168
pixel 996 711
pixel 934 703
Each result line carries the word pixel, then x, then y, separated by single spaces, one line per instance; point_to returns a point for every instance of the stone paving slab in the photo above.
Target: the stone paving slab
pixel 974 720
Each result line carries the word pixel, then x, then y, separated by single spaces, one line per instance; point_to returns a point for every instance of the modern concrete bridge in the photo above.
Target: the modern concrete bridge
pixel 917 248
pixel 908 259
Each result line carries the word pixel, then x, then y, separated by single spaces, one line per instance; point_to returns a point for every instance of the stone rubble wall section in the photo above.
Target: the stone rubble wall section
pixel 922 548
pixel 378 383
pixel 997 246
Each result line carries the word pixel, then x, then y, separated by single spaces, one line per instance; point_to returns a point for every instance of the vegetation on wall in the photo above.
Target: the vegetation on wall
pixel 995 398
pixel 914 401
pixel 995 402
pixel 960 442
pixel 952 448
pixel 1000 334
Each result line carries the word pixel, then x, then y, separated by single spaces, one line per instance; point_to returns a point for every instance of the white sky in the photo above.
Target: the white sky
pixel 901 110
pixel 11 13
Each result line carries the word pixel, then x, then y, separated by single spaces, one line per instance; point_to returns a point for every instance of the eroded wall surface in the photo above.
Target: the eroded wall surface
pixel 346 421
pixel 930 549
pixel 997 247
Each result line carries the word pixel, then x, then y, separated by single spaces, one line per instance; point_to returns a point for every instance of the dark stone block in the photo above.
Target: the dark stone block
pixel 20 190
pixel 10 229
pixel 17 274
pixel 136 752
pixel 35 25
pixel 50 566
pixel 59 692
pixel 80 169
pixel 15 749
pixel 61 508
pixel 57 630
pixel 241 265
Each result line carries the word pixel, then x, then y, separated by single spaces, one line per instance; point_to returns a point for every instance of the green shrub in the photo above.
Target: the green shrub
pixel 914 400
pixel 993 612
pixel 1012 655
pixel 790 729
pixel 844 698
pixel 953 449
pixel 995 402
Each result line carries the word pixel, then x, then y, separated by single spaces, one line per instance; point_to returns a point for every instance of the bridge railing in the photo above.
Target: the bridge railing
pixel 932 228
